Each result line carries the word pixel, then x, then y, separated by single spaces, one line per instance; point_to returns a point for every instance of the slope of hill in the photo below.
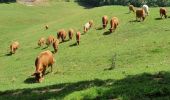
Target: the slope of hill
pixel 139 52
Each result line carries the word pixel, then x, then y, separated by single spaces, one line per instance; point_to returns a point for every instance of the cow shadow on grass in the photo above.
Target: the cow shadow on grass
pixel 74 44
pixel 99 28
pixel 107 33
pixel 131 21
pixel 158 18
pixel 144 86
pixel 30 80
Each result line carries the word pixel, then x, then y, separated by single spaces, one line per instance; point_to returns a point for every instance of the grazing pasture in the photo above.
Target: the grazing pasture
pixel 132 63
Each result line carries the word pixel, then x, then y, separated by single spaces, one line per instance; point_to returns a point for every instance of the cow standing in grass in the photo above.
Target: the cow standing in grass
pixel 41 42
pixel 55 45
pixel 163 12
pixel 13 47
pixel 88 25
pixel 50 40
pixel 140 14
pixel 131 8
pixel 70 33
pixel 104 21
pixel 78 35
pixel 114 22
pixel 42 62
pixel 146 9
pixel 61 35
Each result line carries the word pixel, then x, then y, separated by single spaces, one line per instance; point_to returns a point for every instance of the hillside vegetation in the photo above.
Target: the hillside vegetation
pixel 137 51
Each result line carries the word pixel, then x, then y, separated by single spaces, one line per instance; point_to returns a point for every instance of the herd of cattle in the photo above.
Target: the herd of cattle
pixel 46 58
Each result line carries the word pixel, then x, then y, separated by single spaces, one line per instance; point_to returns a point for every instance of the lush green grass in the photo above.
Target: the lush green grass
pixel 140 51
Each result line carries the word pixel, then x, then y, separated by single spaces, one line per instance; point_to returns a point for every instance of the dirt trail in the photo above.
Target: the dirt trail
pixel 32 2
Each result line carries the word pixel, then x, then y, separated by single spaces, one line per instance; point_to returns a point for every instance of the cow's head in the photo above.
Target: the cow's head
pixel 38 76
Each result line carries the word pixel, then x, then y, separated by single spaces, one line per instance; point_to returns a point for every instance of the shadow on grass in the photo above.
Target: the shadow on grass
pixel 45 48
pixel 30 80
pixel 8 54
pixel 7 1
pixel 143 86
pixel 99 28
pixel 64 41
pixel 74 44
pixel 37 47
pixel 131 21
pixel 107 33
pixel 158 18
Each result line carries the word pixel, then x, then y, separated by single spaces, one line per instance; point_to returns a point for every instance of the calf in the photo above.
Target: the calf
pixel 146 9
pixel 88 25
pixel 105 21
pixel 13 47
pixel 55 45
pixel 78 34
pixel 114 22
pixel 61 34
pixel 41 42
pixel 42 62
pixel 50 40
pixel 163 12
pixel 131 8
pixel 70 33
pixel 140 14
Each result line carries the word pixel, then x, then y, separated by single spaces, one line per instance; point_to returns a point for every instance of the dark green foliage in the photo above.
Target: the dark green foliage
pixel 136 3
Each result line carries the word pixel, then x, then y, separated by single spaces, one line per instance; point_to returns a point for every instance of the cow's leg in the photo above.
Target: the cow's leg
pixel 51 68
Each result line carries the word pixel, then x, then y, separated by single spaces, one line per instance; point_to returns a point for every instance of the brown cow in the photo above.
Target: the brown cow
pixel 46 27
pixel 78 34
pixel 42 62
pixel 140 13
pixel 41 42
pixel 131 8
pixel 61 34
pixel 88 25
pixel 163 12
pixel 13 47
pixel 55 45
pixel 50 40
pixel 114 22
pixel 105 21
pixel 70 33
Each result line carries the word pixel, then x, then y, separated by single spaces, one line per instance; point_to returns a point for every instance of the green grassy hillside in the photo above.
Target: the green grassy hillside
pixel 139 52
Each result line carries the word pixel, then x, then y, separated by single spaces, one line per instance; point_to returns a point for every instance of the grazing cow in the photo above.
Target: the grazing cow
pixel 131 8
pixel 13 47
pixel 105 21
pixel 78 34
pixel 163 12
pixel 50 40
pixel 61 34
pixel 41 42
pixel 140 13
pixel 114 22
pixel 46 27
pixel 146 9
pixel 42 62
pixel 70 33
pixel 55 45
pixel 88 25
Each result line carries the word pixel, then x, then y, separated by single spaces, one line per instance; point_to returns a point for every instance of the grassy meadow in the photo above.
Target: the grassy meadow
pixel 137 51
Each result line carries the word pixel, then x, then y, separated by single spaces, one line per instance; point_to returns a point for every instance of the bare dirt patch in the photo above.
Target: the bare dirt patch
pixel 33 2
